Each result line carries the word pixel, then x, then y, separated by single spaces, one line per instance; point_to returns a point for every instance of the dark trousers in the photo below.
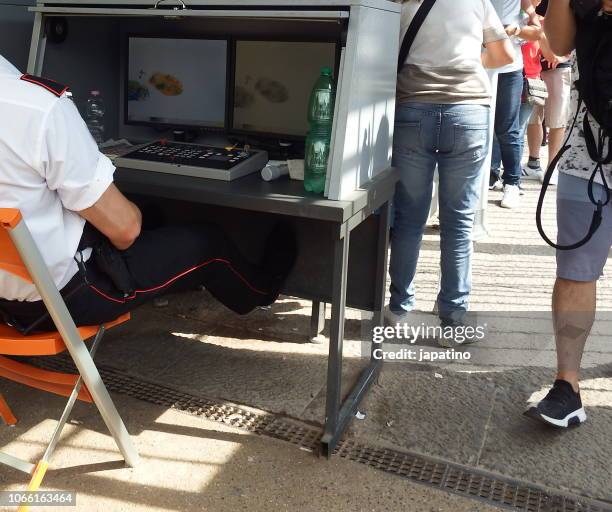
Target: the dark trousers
pixel 160 261
pixel 507 125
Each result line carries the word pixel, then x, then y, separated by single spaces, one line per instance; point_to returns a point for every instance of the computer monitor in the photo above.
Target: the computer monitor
pixel 176 82
pixel 272 84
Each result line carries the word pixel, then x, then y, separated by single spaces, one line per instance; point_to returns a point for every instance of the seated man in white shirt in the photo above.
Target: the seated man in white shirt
pixel 52 171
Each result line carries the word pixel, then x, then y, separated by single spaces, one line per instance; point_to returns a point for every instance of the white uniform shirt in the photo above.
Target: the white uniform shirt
pixel 50 168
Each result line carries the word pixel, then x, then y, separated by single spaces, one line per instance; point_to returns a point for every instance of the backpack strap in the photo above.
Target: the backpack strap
pixel 597 214
pixel 413 30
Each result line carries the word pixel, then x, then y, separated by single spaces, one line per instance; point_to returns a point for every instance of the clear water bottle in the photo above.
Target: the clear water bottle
pixel 94 116
pixel 318 140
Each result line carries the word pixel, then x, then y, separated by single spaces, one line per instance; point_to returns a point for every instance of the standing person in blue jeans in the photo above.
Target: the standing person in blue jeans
pixel 442 119
pixel 530 35
pixel 509 92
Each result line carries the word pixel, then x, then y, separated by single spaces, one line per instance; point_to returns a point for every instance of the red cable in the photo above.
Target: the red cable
pixel 172 280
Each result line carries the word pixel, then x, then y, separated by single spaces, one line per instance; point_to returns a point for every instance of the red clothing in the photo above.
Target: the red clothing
pixel 532 59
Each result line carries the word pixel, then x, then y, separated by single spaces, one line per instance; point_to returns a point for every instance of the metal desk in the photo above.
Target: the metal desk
pixel 327 232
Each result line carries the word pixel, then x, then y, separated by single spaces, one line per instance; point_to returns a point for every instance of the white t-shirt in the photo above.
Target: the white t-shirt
pixel 576 161
pixel 444 64
pixel 509 14
pixel 50 168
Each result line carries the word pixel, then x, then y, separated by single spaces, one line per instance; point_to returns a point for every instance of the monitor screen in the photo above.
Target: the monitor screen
pixel 176 82
pixel 272 84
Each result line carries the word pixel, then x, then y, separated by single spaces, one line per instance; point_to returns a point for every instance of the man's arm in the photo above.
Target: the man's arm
pixel 528 7
pixel 72 165
pixel 498 53
pixel 534 19
pixel 550 57
pixel 115 217
pixel 531 33
pixel 560 27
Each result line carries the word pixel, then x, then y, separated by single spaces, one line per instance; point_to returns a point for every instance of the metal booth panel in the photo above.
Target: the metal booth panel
pixel 16 31
pixel 366 100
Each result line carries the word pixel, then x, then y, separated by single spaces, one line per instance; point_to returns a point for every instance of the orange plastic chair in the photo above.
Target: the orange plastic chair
pixel 20 256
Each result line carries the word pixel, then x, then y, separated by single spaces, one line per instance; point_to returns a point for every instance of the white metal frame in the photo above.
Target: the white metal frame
pixel 32 259
pixel 363 128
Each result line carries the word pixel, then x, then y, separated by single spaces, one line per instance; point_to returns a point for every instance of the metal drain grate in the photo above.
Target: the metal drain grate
pixel 467 482
pixel 259 422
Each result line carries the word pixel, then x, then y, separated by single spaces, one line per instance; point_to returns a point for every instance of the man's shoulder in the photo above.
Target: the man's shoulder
pixel 30 92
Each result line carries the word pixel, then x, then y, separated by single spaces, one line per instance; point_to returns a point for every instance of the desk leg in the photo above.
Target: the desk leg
pixel 334 425
pixel 337 416
pixel 317 319
pixel 381 264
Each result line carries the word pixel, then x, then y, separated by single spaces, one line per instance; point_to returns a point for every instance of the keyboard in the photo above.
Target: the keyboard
pixel 193 160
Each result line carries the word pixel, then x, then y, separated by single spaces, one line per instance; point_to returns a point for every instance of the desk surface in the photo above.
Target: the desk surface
pixel 283 196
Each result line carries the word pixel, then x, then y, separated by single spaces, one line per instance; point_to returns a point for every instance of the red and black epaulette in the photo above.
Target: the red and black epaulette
pixel 50 85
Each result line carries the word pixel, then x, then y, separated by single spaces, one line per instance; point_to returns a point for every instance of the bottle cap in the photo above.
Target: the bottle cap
pixel 326 71
pixel 269 174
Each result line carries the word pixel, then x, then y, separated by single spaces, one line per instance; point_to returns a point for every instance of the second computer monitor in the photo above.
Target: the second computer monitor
pixel 272 84
pixel 176 82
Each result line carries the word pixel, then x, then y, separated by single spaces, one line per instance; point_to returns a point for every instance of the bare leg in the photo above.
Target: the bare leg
pixel 534 139
pixel 555 141
pixel 573 305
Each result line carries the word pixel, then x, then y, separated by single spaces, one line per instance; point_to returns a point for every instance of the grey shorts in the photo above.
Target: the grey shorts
pixel 574 214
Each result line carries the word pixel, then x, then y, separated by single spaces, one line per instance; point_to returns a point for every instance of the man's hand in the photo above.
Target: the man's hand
pixel 607 6
pixel 512 29
pixel 553 61
pixel 115 217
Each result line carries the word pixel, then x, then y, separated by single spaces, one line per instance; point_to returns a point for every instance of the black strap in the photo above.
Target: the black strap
pixel 597 214
pixel 413 30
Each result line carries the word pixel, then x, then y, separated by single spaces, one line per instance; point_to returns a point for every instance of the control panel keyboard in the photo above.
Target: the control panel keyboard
pixel 193 160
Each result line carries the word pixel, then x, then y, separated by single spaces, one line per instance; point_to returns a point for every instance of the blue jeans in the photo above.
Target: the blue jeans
pixel 455 138
pixel 524 117
pixel 507 127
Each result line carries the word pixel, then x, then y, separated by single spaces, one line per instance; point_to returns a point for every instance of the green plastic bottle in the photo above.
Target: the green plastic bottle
pixel 318 140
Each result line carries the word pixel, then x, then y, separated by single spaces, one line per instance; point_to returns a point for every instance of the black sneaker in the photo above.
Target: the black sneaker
pixel 562 407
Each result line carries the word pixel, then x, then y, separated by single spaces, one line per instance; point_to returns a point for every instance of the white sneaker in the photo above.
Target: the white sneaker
pixel 529 173
pixel 512 196
pixel 497 185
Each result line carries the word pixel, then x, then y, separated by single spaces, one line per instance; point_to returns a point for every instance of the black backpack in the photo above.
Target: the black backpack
pixel 594 54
